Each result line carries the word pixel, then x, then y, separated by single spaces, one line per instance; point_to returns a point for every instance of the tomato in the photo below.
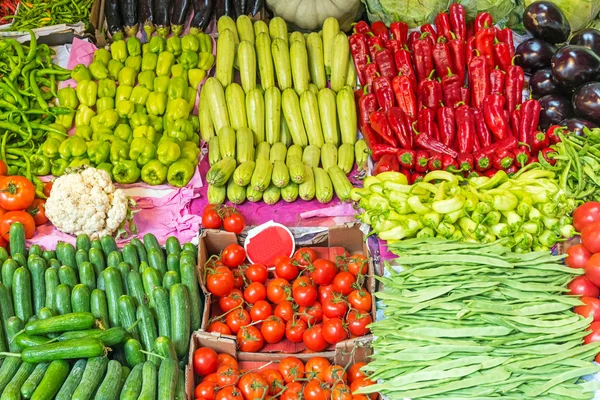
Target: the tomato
pixel 334 331
pixel 205 361
pixel 590 237
pixel 595 335
pixel 316 367
pixel 254 292
pixel 323 272
pixel 361 300
pixel 3 168
pixel 238 278
pixel 313 338
pixel 325 291
pixel 586 214
pixel 291 368
pixel 354 371
pixel 340 391
pixel 47 189
pixel 229 393
pixel 358 322
pixel 592 306
pixel 211 219
pixel 292 391
pixel 253 386
pixel 249 339
pixel 17 216
pixel 305 256
pixel 211 378
pixel 261 310
pixel 357 264
pixel 257 273
pixel 294 329
pixel 597 359
pixel 205 391
pixel 584 287
pixel 285 310
pixel 335 373
pixel 227 375
pixel 273 329
pixel 592 269
pixel 278 290
pixel 37 210
pixel 343 282
pixel 226 359
pixel 577 256
pixel 219 327
pixel 16 193
pixel 234 255
pixel 220 281
pixel 234 222
pixel 231 301
pixel 274 380
pixel 286 269
pixel 316 390
pixel 335 307
pixel 236 319
pixel 360 383
pixel 305 295
pixel 311 315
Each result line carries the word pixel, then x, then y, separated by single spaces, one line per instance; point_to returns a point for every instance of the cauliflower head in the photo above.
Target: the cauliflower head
pixel 87 202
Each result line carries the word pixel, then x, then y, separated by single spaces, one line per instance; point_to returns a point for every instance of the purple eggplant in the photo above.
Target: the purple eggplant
pixel 542 84
pixel 545 20
pixel 554 108
pixel 161 17
pixel 223 7
pixel 202 13
pixel 129 12
pixel 145 17
pixel 253 7
pixel 534 54
pixel 576 125
pixel 113 19
pixel 586 101
pixel 179 15
pixel 589 38
pixel 573 66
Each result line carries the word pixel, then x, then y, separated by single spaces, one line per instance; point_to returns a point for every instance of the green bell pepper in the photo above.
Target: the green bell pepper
pixel 178 109
pixel 149 61
pixel 127 76
pixel 206 43
pixel 205 60
pixel 190 151
pixel 114 67
pixel 50 148
pixel 157 44
pixel 123 93
pixel 119 150
pixel 78 162
pixel 84 132
pixel 174 45
pixel 195 121
pixel 134 62
pixel 161 84
pixel 134 46
pixel 139 95
pixel 98 70
pixel 118 50
pixel 108 119
pixel 190 42
pixel 156 122
pixel 154 173
pixel 147 132
pixel 84 115
pixel 126 171
pixel 138 119
pixel 180 173
pixel 177 70
pixel 157 103
pixel 103 135
pixel 177 88
pixel 195 76
pixel 145 48
pixel 94 123
pixel 102 55
pixel 146 79
pixel 74 146
pixel 87 92
pixel 142 151
pixel 189 59
pixel 191 95
pixel 40 164
pixel 105 103
pixel 125 108
pixel 106 167
pixel 107 88
pixel 165 62
pixel 59 166
pixel 66 120
pixel 123 132
pixel 168 151
pixel 98 152
pixel 180 129
pixel 81 73
pixel 195 139
pixel 67 97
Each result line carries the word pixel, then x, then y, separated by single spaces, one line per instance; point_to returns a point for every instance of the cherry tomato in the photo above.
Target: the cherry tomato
pixel 260 311
pixel 16 193
pixel 238 278
pixel 316 367
pixel 253 386
pixel 592 269
pixel 234 222
pixel 236 319
pixel 3 168
pixel 229 393
pixel 313 338
pixel 292 391
pixel 334 331
pixel 357 264
pixel 294 329
pixel 231 301
pixel 273 329
pixel 354 371
pixel 274 380
pixel 586 214
pixel 323 272
pixel 211 218
pixel 285 310
pixel 286 269
pixel 305 295
pixel 219 327
pixel 343 283
pixel 226 359
pixel 305 256
pixel 257 273
pixel 211 378
pixel 335 373
pixel 340 391
pixel 311 315
pixel 205 361
pixel 325 291
pixel 220 281
pixel 234 255
pixel 335 307
pixel 291 369
pixel 360 383
pixel 317 390
pixel 47 188
pixel 249 339
pixel 584 287
pixel 577 256
pixel 254 292
pixel 592 306
pixel 37 210
pixel 278 290
pixel 227 375
pixel 205 391
pixel 361 300
pixel 17 216
pixel 358 322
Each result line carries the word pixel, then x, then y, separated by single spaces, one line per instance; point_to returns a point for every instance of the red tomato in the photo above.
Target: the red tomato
pixel 254 292
pixel 311 315
pixel 211 219
pixel 238 278
pixel 3 168
pixel 231 301
pixel 335 307
pixel 234 255
pixel 361 300
pixel 37 210
pixel 357 264
pixel 305 295
pixel 253 386
pixel 317 390
pixel 229 393
pixel 261 310
pixel 592 306
pixel 292 391
pixel 205 361
pixel 586 214
pixel 590 237
pixel 595 335
pixel 360 383
pixel 334 331
pixel 211 378
pixel 205 391
pixel 286 269
pixel 343 283
pixel 316 367
pixel 257 273
pixel 234 222
pixel 354 371
pixel 294 329
pixel 274 380
pixel 47 189
pixel 358 322
pixel 220 281
pixel 592 269
pixel 313 338
pixel 340 391
pixel 305 256
pixel 219 327
pixel 249 339
pixel 577 256
pixel 278 290
pixel 227 375
pixel 226 359
pixel 291 368
pixel 17 216
pixel 16 193
pixel 323 272
pixel 273 329
pixel 335 373
pixel 325 291
pixel 284 310
pixel 236 319
pixel 584 287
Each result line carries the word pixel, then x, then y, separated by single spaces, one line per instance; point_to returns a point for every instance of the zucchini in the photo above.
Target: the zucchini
pixel 189 278
pixel 8 270
pixel 243 173
pixel 108 244
pixel 207 129
pixel 265 60
pixel 261 177
pixel 297 36
pixel 272 115
pixel 310 116
pixel 16 234
pixel 307 189
pixel 37 267
pixel 173 246
pixel 61 323
pixel 67 276
pixel 226 22
pixel 172 263
pixel 351 74
pixel 149 381
pixel 133 384
pixel 180 319
pixel 69 349
pixel 329 155
pixel 72 381
pixel 297 171
pixel 97 260
pixel 99 308
pixel 214 153
pixel 293 117
pixel 13 389
pixel 114 259
pixel 278 29
pixel 133 353
pixel 150 280
pixel 127 315
pixel 289 193
pixel 339 61
pixel 53 379
pixel 164 347
pixel 263 149
pixel 147 328
pixel 331 27
pixel 278 152
pixel 323 187
pixel 83 242
pixel 170 278
pixel 341 184
pixel 311 156
pixel 346 157
pixel 225 57
pixel 216 194
pixel 92 376
pixel 8 369
pixel 227 138
pixel 281 59
pixel 14 326
pixel 281 175
pixel 22 294
pixel 236 108
pixel 130 256
pixel 67 255
pixel 244 29
pixel 219 174
pixel 135 287
pixel 81 256
pixel 272 194
pixel 346 110
pixel 255 111
pixel 114 290
pixel 260 27
pixel 235 193
pixel 299 65
pixel 327 113
pixel 253 195
pixel 124 270
pixel 109 388
pixel 34 380
pixel 87 276
pixel 316 64
pixel 141 250
pixel 244 145
pixel 167 379
pixel 247 61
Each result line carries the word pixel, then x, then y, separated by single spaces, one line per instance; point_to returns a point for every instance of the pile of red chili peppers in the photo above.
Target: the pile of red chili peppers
pixel 448 97
pixel 8 8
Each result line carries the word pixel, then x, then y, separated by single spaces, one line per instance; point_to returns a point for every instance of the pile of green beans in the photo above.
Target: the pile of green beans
pixel 469 320
pixel 38 13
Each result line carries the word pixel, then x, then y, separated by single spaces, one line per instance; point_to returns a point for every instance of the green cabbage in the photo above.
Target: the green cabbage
pixel 580 13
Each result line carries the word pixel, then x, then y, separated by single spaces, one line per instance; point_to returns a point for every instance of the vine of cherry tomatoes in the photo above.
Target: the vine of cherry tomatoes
pixel 217 216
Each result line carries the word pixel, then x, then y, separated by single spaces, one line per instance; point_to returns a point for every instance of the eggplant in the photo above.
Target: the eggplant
pixel 253 7
pixel 576 125
pixel 179 15
pixel 534 54
pixel 573 66
pixel 589 38
pixel 228 10
pixel 161 17
pixel 202 13
pixel 586 101
pixel 545 20
pixel 113 19
pixel 541 84
pixel 554 108
pixel 220 7
pixel 129 12
pixel 238 8
pixel 145 17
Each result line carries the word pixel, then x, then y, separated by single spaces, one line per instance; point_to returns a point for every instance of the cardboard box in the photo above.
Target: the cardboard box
pixel 349 237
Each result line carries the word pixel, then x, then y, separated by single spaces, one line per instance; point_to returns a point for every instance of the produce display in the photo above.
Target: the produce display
pixel 7 11
pixel 91 318
pixel 39 13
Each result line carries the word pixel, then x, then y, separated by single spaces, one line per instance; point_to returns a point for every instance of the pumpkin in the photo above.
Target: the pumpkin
pixel 310 14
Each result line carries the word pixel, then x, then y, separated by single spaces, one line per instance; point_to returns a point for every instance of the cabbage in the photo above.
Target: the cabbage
pixel 580 13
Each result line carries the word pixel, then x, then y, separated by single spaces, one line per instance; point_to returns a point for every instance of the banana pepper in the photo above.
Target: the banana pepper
pixel 107 88
pixel 177 88
pixel 180 173
pixel 119 150
pixel 139 95
pixel 98 152
pixel 154 172
pixel 105 103
pixel 147 132
pixel 134 46
pixel 168 151
pixel 102 55
pixel 87 92
pixel 118 50
pixel 84 115
pixel 174 45
pixel 165 62
pixel 81 73
pixel 134 62
pixel 142 151
pixel 156 103
pixel 146 79
pixel 127 76
pixel 114 67
pixel 161 84
pixel 190 43
pixel 126 171
pixel 123 132
pixel 72 147
pixel 98 70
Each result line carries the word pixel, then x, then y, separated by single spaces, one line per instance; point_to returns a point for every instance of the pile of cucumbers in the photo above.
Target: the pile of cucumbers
pixel 91 320
pixel 289 129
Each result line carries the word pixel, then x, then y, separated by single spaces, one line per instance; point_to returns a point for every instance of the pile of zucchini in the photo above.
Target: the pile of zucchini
pixel 90 320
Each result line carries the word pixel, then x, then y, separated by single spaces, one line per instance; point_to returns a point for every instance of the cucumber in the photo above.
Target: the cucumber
pixel 189 278
pixel 92 376
pixel 109 388
pixel 133 385
pixel 53 379
pixel 170 278
pixel 149 381
pixel 162 310
pixel 80 298
pixel 125 371
pixel 130 256
pixel 6 307
pixel 135 287
pixel 133 353
pixel 114 259
pixel 110 336
pixel 51 281
pixel 14 326
pixel 114 290
pixel 141 249
pixel 99 308
pixel 34 380
pixel 97 260
pixel 95 245
pixel 188 256
pixel 156 260
pixel 54 263
pixel 72 381
pixel 172 263
pixel 83 242
pixel 180 390
pixel 12 391
pixel 147 330
pixel 87 276
pixel 22 293
pixel 48 255
pixel 67 276
pixel 180 318
pixel 3 340
pixel 37 267
pixel 150 279
pixel 164 347
pixel 23 340
pixel 108 244
pixel 8 270
pixel 20 259
pixel 150 242
pixel 81 256
pixel 17 239
pixel 4 255
pixel 46 313
pixel 67 255
pixel 190 248
pixel 127 315
pixel 167 379
pixel 62 299
pixel 124 270
pixel 8 369
pixel 77 348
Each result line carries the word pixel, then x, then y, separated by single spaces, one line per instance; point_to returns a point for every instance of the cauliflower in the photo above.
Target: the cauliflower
pixel 87 202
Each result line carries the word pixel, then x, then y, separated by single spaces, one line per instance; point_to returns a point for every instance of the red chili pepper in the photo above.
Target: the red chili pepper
pixel 380 124
pixel 503 55
pixel 428 28
pixel 416 177
pixel 493 111
pixel 470 29
pixel 482 161
pixel 429 94
pixel 407 158
pixel 380 30
pixel 515 79
pixel 370 136
pixel 385 62
pixel 484 43
pixel 450 164
pixel 361 27
pixel 503 159
pixel 465 161
pixel 435 161
pixel 380 150
pixel 360 54
pixel 497 81
pixel 384 93
pixel 471 174
pixel 367 105
pixel 515 122
pixel 400 124
pixel 513 169
pixel 403 62
pixel 465 129
pixel 457 56
pixel 553 131
pixel 505 35
pixel 399 31
pixel 423 56
pixel 490 172
pixel 476 144
pixel 393 45
pixel 458 17
pixel 478 81
pixel 465 95
pixel 426 123
pixel 441 56
pixel 540 141
pixel 429 143
pixel 482 157
pixel 446 125
pixel 522 156
pixel 483 20
pixel 470 50
pixel 548 154
pixel 483 132
pixel 442 24
pixel 451 89
pixel 422 161
pixel 533 160
pixel 405 95
pixel 412 39
pixel 370 73
pixel 530 116
pixel 374 43
pixel 387 163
